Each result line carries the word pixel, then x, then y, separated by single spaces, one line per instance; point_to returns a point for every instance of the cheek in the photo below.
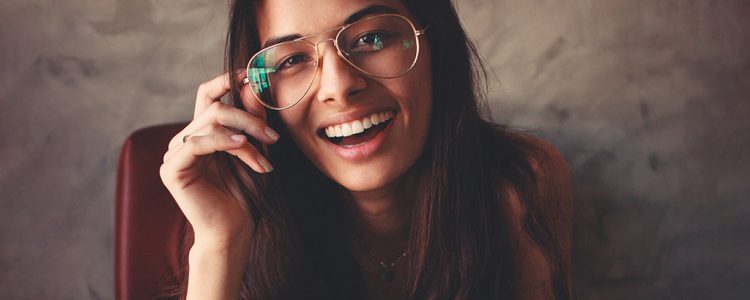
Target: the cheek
pixel 295 125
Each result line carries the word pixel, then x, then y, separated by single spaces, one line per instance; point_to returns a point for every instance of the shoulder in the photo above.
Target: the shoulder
pixel 550 172
pixel 544 158
pixel 553 195
pixel 551 206
pixel 544 165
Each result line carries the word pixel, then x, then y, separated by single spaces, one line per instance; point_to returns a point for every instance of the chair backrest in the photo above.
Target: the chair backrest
pixel 148 222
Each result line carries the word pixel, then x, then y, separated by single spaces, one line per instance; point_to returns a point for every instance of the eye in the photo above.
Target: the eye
pixel 292 60
pixel 371 41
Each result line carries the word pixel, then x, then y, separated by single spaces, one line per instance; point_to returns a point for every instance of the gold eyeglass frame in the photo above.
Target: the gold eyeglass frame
pixel 417 34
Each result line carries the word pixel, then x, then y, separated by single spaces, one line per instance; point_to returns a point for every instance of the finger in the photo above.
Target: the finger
pixel 185 157
pixel 247 153
pixel 252 157
pixel 177 140
pixel 212 90
pixel 208 130
pixel 232 117
pixel 181 137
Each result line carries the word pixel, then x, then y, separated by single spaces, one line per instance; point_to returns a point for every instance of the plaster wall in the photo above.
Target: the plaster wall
pixel 648 100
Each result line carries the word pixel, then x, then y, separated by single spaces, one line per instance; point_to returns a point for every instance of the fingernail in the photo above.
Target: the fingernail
pixel 272 134
pixel 265 164
pixel 237 137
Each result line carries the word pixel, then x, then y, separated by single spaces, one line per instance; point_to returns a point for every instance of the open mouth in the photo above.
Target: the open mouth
pixel 357 132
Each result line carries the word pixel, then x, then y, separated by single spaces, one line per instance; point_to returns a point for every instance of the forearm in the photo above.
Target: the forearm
pixel 216 272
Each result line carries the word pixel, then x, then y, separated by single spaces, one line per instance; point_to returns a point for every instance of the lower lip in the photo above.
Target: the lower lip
pixel 364 150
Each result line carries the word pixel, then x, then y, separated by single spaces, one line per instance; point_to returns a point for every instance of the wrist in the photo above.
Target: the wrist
pixel 222 238
pixel 216 271
pixel 227 245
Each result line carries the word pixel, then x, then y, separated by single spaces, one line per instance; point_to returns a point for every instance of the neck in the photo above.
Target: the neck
pixel 382 216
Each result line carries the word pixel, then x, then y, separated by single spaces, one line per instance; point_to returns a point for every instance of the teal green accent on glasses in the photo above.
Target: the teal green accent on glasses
pixel 407 44
pixel 260 77
pixel 378 44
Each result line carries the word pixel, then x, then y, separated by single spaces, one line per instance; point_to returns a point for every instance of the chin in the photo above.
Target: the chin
pixel 365 178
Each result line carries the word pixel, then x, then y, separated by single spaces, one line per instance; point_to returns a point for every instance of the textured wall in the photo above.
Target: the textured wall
pixel 76 77
pixel 650 103
pixel 647 99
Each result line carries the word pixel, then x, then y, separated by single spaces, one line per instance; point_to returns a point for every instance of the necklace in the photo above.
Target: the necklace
pixel 386 274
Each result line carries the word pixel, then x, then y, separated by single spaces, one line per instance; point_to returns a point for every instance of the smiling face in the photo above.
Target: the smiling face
pixel 394 113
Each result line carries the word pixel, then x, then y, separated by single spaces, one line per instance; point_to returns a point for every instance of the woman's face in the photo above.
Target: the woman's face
pixel 340 95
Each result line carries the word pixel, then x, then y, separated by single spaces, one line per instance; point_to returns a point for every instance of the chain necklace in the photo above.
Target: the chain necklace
pixel 386 274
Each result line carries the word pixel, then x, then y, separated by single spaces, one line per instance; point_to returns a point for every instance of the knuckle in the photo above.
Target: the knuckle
pixel 247 117
pixel 237 117
pixel 202 88
pixel 174 142
pixel 192 142
pixel 215 108
pixel 163 172
pixel 215 128
pixel 166 174
pixel 220 139
pixel 230 118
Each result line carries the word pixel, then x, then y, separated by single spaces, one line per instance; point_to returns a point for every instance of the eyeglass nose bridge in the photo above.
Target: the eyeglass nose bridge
pixel 319 53
pixel 325 40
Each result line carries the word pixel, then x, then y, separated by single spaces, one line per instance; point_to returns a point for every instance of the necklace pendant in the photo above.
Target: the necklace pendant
pixel 387 275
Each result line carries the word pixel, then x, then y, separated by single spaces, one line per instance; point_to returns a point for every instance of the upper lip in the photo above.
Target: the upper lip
pixel 352 115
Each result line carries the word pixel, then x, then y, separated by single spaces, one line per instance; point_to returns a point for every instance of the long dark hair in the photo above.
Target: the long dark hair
pixel 459 241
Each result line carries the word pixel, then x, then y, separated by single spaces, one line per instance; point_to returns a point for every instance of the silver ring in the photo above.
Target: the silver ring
pixel 184 138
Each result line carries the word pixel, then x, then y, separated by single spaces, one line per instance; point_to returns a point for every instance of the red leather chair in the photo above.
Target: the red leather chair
pixel 148 222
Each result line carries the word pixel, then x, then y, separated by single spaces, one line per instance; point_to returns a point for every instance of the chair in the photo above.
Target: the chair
pixel 148 222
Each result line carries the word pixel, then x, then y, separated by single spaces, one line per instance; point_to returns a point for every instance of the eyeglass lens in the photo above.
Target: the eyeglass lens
pixel 381 46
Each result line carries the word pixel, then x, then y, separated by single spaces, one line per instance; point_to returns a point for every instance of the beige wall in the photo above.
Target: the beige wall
pixel 647 99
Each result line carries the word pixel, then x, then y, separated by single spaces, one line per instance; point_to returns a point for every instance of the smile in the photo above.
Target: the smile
pixel 358 139
pixel 358 126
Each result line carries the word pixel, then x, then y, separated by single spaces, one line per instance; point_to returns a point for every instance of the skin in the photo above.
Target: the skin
pixel 379 187
pixel 339 89
pixel 214 209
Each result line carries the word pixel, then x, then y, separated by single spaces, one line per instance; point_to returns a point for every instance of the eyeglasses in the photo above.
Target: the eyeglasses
pixel 383 46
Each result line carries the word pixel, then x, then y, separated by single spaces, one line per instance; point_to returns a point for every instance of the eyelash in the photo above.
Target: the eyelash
pixel 286 62
pixel 379 36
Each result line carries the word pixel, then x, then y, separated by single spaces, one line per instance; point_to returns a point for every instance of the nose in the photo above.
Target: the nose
pixel 338 82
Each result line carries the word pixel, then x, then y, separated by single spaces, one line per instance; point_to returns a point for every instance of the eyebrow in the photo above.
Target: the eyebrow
pixel 372 9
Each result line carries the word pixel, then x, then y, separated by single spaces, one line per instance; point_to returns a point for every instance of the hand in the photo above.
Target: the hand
pixel 207 195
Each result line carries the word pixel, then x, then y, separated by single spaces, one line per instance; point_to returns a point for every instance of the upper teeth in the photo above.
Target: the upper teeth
pixel 357 126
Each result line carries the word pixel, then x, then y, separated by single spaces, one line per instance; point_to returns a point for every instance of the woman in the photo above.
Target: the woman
pixel 356 162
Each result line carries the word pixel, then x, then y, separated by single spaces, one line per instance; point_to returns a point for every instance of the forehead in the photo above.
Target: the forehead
pixel 306 17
